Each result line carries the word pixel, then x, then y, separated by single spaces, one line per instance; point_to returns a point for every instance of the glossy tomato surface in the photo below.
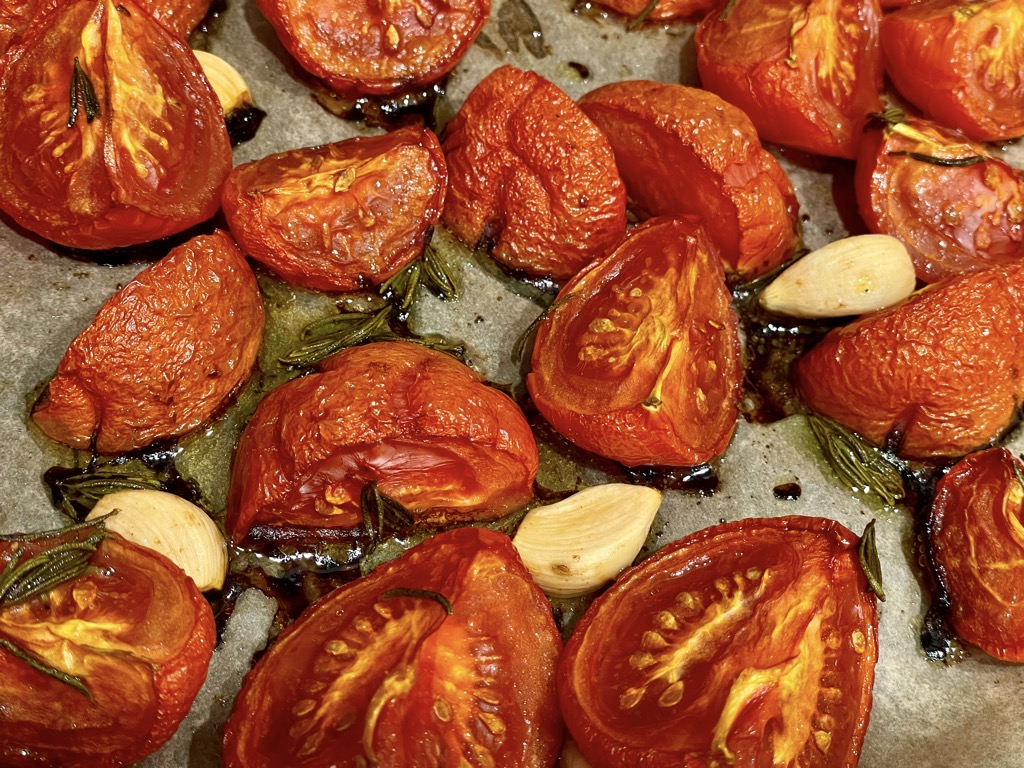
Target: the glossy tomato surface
pixel 664 10
pixel 162 355
pixel 136 631
pixel 179 16
pixel 685 152
pixel 806 73
pixel 396 680
pixel 339 216
pixel 750 643
pixel 640 361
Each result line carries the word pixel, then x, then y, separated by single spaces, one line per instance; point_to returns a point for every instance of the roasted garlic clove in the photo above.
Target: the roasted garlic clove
pixel 241 114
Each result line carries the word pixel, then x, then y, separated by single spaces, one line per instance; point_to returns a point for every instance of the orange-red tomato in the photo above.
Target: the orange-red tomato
pixel 935 376
pixel 807 73
pixel 955 207
pixel 687 153
pixel 640 359
pixel 371 676
pixel 418 423
pixel 531 177
pixel 976 540
pixel 960 63
pixel 665 10
pixel 751 643
pixel 162 355
pixel 179 16
pixel 339 216
pixel 110 134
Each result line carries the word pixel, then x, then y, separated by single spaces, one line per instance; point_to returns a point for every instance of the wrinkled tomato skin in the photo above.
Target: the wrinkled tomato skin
pixel 368 48
pixel 399 682
pixel 138 633
pixel 151 162
pixel 640 360
pixel 750 643
pixel 181 17
pixel 938 375
pixel 686 153
pixel 807 73
pixel 162 356
pixel 951 219
pixel 340 216
pixel 976 541
pixel 961 64
pixel 418 423
pixel 665 10
pixel 532 176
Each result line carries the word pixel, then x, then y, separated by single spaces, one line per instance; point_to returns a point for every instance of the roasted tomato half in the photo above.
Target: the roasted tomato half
pixel 639 361
pixel 366 47
pixel 445 656
pixel 418 423
pixel 955 206
pixel 132 630
pixel 685 152
pixel 807 73
pixel 532 177
pixel 179 16
pixel 110 134
pixel 339 216
pixel 976 540
pixel 162 355
pixel 664 10
pixel 938 375
pixel 961 63
pixel 750 643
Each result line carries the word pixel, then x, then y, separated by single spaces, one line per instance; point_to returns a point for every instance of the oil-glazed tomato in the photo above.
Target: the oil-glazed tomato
pixel 133 628
pixel 179 16
pixel 339 216
pixel 639 361
pixel 685 152
pixel 956 207
pixel 110 134
pixel 397 680
pixel 162 355
pixel 366 47
pixel 531 177
pixel 751 643
pixel 976 541
pixel 807 73
pixel 935 376
pixel 418 423
pixel 960 63
pixel 665 10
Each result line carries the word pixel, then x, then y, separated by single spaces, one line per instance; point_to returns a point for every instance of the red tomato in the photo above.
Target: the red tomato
pixel 133 628
pixel 179 16
pixel 751 643
pixel 364 677
pixel 665 10
pixel 640 359
pixel 342 215
pixel 136 152
pixel 976 539
pixel 807 73
pixel 961 64
pixel 684 152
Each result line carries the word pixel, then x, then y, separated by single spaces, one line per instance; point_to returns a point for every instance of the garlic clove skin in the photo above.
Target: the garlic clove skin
pixel 578 545
pixel 852 276
pixel 172 526
pixel 227 83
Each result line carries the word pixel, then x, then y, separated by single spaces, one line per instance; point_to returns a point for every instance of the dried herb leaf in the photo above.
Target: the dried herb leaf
pixel 641 17
pixel 869 562
pixel 891 116
pixel 438 275
pixel 424 593
pixel 856 463
pixel 727 10
pixel 40 666
pixel 325 337
pixel 518 23
pixel 524 338
pixel 382 514
pixel 948 162
pixel 76 492
pixel 81 94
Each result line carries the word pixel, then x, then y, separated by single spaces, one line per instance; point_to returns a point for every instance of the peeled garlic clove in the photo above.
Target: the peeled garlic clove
pixel 575 546
pixel 174 527
pixel 240 113
pixel 852 276
pixel 571 756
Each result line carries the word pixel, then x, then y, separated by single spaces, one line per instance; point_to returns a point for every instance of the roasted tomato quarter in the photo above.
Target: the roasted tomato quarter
pixel 445 656
pixel 366 47
pixel 340 216
pixel 132 629
pixel 938 375
pixel 532 177
pixel 162 355
pixel 807 73
pixel 960 63
pixel 110 134
pixel 751 643
pixel 687 153
pixel 639 359
pixel 418 423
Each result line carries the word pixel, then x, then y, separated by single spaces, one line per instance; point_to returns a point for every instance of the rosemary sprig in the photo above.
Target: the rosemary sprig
pixel 641 17
pixel 81 94
pixel 891 116
pixel 727 10
pixel 856 463
pixel 524 338
pixel 948 162
pixel 381 514
pixel 39 666
pixel 424 593
pixel 869 563
pixel 325 337
pixel 77 492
